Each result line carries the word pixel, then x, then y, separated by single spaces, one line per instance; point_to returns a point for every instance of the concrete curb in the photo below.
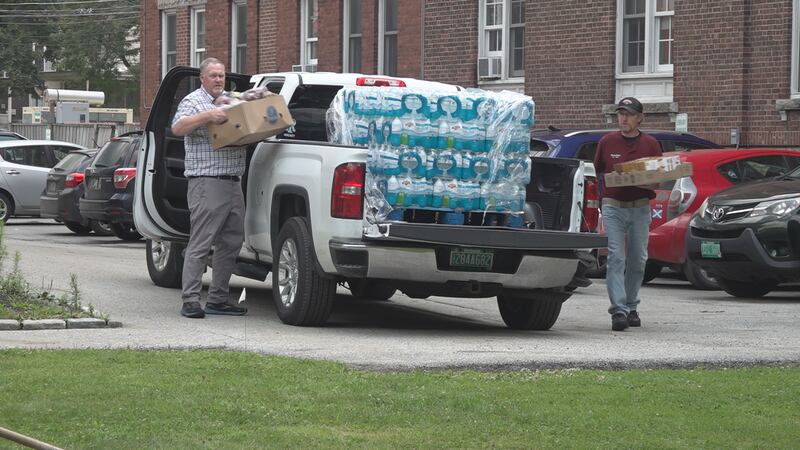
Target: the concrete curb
pixel 57 324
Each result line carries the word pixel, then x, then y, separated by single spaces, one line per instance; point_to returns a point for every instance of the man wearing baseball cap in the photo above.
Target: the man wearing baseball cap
pixel 626 213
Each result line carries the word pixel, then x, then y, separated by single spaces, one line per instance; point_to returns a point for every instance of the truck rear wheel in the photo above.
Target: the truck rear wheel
pixel 301 294
pixel 535 311
pixel 370 289
pixel 165 263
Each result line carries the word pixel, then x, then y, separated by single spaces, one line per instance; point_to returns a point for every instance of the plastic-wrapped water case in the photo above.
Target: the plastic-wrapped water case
pixel 447 151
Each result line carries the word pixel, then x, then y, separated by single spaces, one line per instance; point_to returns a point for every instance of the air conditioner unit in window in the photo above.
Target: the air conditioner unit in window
pixel 304 68
pixel 490 68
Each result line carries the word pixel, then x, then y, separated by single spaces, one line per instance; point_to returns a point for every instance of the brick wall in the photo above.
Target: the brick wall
pixel 369 40
pixel 150 57
pixel 329 47
pixel 287 52
pixel 409 38
pixel 267 36
pixel 569 61
pixel 451 42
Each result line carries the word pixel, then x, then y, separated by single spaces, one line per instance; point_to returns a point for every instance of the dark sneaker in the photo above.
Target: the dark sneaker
pixel 619 321
pixel 634 320
pixel 193 310
pixel 225 309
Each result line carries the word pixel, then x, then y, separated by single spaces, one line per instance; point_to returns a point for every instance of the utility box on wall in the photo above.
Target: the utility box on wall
pixel 72 112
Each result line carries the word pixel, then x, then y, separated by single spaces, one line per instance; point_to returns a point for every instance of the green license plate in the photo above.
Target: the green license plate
pixel 710 249
pixel 471 259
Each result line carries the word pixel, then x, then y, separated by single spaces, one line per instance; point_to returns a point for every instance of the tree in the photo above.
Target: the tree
pixel 94 40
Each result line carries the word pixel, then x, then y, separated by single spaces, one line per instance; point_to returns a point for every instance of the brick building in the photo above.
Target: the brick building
pixel 725 68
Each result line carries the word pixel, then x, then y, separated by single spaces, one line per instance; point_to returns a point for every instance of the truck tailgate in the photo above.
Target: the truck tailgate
pixel 487 237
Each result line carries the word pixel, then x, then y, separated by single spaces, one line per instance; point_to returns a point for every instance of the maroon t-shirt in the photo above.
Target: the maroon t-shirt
pixel 614 148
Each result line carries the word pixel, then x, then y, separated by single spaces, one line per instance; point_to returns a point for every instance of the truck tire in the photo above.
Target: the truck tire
pixel 370 289
pixel 302 295
pixel 125 231
pixel 698 277
pixel 165 263
pixel 746 289
pixel 534 311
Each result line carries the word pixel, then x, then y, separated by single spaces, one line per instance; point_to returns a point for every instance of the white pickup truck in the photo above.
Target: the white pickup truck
pixel 304 218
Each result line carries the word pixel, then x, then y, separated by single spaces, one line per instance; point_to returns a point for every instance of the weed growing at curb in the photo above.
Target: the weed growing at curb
pixel 20 301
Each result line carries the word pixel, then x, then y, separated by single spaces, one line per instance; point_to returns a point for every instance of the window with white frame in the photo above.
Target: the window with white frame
pixel 646 38
pixel 239 37
pixel 309 31
pixel 198 36
pixel 387 37
pixel 795 92
pixel 645 49
pixel 169 52
pixel 501 39
pixel 351 54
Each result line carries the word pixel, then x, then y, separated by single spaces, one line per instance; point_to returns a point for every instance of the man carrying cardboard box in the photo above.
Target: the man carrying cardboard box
pixel 216 202
pixel 626 213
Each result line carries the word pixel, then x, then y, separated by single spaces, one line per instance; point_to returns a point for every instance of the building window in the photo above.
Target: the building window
pixel 796 49
pixel 169 52
pixel 239 37
pixel 351 58
pixel 387 37
pixel 198 36
pixel 646 39
pixel 502 38
pixel 309 31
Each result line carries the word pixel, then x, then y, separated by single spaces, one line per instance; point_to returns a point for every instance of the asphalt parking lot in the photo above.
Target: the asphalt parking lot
pixel 682 327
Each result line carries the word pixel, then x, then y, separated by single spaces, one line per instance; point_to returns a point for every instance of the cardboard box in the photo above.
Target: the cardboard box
pixel 644 177
pixel 251 121
pixel 666 163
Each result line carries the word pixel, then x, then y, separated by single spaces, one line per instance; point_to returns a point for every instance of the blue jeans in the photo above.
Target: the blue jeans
pixel 628 230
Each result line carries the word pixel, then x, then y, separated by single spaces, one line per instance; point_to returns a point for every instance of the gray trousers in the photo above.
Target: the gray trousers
pixel 216 213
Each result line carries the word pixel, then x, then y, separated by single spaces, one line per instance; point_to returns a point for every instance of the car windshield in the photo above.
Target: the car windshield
pixel 555 146
pixel 794 173
pixel 70 162
pixel 112 154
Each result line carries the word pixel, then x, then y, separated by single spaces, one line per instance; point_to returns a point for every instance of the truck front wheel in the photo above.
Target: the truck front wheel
pixel 165 263
pixel 301 295
pixel 534 311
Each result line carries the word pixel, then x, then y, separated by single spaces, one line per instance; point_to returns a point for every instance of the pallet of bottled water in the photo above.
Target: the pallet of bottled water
pixel 445 156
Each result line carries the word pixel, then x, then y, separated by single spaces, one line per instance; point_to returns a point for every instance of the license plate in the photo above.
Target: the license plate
pixel 471 259
pixel 94 183
pixel 710 249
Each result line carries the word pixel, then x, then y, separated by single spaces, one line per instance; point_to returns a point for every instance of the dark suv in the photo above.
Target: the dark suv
pixel 109 187
pixel 748 236
pixel 582 144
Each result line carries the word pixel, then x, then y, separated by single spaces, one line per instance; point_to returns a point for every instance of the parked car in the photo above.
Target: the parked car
pixel 748 236
pixel 677 201
pixel 6 135
pixel 582 144
pixel 64 189
pixel 109 192
pixel 24 165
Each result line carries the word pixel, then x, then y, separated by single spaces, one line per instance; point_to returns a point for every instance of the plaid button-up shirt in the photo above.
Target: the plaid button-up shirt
pixel 201 159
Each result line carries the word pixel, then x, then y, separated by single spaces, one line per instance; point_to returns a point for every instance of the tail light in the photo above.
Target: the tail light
pixel 123 176
pixel 375 81
pixel 74 179
pixel 683 194
pixel 347 195
pixel 591 206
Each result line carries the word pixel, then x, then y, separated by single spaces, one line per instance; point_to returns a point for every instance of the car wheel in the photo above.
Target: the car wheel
pixel 76 227
pixel 746 289
pixel 6 207
pixel 125 231
pixel 698 277
pixel 370 289
pixel 301 294
pixel 651 271
pixel 165 263
pixel 101 228
pixel 538 310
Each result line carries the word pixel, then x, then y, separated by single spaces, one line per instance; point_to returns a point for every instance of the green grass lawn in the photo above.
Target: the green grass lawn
pixel 216 400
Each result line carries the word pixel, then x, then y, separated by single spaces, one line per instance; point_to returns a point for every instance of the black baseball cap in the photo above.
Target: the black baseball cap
pixel 631 105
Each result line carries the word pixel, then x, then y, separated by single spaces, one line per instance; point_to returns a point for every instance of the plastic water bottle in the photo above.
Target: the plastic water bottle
pixel 438 195
pixel 392 191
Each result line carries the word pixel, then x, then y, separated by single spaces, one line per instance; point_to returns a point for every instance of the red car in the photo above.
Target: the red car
pixel 676 201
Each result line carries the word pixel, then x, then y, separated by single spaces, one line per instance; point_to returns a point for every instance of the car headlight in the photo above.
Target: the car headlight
pixel 778 208
pixel 702 209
